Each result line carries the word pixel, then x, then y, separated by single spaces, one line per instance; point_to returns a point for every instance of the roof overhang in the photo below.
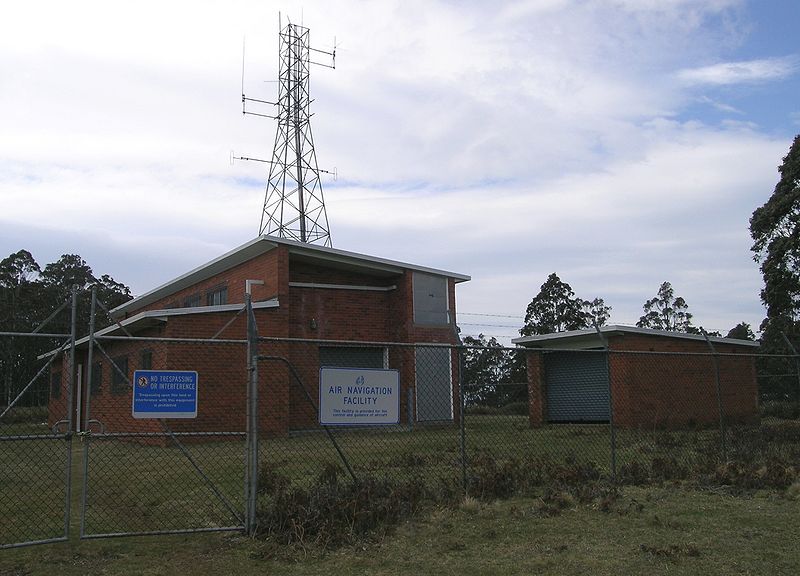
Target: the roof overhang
pixel 301 251
pixel 152 318
pixel 589 338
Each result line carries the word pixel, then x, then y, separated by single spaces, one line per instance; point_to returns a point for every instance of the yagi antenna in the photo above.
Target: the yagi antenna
pixel 233 157
pixel 245 99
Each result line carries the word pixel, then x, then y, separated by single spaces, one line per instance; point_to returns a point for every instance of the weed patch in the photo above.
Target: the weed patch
pixel 671 551
pixel 780 409
pixel 333 511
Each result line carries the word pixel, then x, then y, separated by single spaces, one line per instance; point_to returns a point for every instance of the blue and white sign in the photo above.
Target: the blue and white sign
pixel 164 394
pixel 359 397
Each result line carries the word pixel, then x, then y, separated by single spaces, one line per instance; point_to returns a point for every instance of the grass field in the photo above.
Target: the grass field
pixel 652 530
pixel 677 512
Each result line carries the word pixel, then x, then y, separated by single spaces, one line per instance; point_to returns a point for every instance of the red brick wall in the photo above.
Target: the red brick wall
pixel 667 382
pixel 266 267
pixel 677 387
pixel 537 393
pixel 355 315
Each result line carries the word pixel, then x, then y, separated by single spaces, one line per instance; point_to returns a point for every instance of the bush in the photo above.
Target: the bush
pixel 515 409
pixel 333 512
pixel 780 409
pixel 747 476
pixel 489 478
pixel 660 468
pixel 481 410
pixel 24 415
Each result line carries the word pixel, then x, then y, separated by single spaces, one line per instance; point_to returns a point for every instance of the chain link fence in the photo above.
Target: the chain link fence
pixel 156 475
pixel 630 417
pixel 452 419
pixel 35 453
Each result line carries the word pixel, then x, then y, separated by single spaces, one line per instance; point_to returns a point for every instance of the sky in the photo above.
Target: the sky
pixel 617 143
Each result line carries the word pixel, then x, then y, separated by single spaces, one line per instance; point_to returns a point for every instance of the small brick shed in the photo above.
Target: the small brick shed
pixel 657 378
pixel 308 294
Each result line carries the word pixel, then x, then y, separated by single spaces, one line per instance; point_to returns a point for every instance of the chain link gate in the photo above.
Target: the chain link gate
pixel 35 432
pixel 157 475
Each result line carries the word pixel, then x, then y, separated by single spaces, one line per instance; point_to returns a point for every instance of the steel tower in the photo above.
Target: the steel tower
pixel 294 206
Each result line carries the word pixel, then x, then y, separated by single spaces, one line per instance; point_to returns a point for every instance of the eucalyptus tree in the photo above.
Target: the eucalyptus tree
pixel 666 311
pixel 556 308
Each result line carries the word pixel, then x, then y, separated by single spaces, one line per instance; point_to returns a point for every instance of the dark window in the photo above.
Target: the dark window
pixel 351 357
pixel 55 385
pixel 120 382
pixel 97 379
pixel 146 360
pixel 217 296
pixel 192 301
pixel 430 299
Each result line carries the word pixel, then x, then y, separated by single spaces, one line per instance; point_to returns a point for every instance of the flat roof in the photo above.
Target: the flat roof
pixel 300 250
pixel 588 337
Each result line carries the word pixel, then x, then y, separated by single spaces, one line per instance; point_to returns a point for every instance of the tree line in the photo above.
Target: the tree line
pixel 556 308
pixel 35 298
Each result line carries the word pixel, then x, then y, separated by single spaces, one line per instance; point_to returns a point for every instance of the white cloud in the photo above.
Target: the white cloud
pixel 751 71
pixel 504 141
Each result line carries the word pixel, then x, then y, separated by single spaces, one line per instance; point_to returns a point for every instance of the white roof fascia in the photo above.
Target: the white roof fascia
pixel 262 245
pixel 164 315
pixel 237 256
pixel 586 334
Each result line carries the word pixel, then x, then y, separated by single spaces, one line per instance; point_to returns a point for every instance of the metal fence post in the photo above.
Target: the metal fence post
pixel 612 430
pixel 409 409
pixel 251 472
pixel 86 437
pixel 70 400
pixel 462 425
pixel 715 359
pixel 72 368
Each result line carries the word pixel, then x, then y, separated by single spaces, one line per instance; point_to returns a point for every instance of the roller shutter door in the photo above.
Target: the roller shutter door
pixel 577 387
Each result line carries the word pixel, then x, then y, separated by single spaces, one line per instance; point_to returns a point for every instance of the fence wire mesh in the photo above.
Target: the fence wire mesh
pixel 474 420
pixel 35 450
pixel 146 474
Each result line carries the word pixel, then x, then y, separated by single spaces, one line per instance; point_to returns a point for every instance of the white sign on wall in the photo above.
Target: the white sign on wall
pixel 359 397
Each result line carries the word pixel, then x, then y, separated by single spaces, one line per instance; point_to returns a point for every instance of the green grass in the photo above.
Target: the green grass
pixel 653 530
pixel 133 487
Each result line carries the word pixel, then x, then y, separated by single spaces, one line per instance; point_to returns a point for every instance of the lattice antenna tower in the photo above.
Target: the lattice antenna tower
pixel 294 206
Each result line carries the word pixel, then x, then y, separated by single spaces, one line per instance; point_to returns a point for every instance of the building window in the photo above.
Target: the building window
pixel 55 385
pixel 119 375
pixel 192 301
pixel 97 379
pixel 430 299
pixel 217 296
pixel 146 360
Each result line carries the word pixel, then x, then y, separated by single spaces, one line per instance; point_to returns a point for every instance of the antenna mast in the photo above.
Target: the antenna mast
pixel 294 206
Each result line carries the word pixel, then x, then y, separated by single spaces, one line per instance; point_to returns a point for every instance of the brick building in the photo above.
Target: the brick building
pixel 657 378
pixel 313 303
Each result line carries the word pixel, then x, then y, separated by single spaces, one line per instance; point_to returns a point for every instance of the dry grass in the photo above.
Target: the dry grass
pixel 654 531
